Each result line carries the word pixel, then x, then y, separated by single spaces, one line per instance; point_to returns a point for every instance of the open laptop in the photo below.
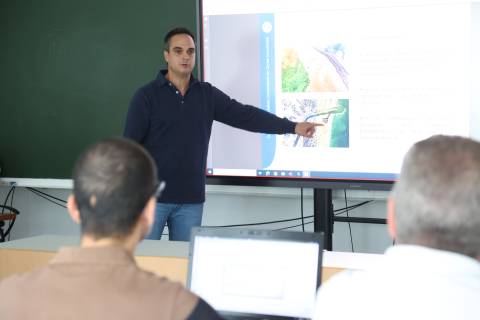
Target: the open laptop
pixel 251 273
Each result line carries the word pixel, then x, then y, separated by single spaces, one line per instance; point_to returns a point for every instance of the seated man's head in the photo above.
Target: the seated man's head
pixel 115 182
pixel 436 202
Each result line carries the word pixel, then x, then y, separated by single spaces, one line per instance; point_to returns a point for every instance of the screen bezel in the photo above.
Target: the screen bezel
pixel 314 182
pixel 256 234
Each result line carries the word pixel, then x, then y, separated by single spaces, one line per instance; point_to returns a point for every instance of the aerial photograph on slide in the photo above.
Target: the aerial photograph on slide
pixel 331 112
pixel 314 69
pixel 314 77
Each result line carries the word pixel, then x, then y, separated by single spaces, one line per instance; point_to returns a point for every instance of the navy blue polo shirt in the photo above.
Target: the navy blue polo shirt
pixel 176 129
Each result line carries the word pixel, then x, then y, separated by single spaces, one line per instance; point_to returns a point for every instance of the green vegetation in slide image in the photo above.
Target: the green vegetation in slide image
pixel 294 75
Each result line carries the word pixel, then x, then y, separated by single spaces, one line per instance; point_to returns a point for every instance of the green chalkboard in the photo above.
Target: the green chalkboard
pixel 68 69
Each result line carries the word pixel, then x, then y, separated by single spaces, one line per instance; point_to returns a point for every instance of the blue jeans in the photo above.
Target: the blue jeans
pixel 180 219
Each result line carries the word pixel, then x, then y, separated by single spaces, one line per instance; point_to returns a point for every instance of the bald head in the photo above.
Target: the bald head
pixel 437 197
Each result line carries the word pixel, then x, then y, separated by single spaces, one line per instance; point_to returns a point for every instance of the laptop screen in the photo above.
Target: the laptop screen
pixel 256 272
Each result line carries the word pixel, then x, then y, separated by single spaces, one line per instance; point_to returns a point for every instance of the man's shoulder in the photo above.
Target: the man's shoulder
pixel 209 90
pixel 149 87
pixel 17 284
pixel 10 282
pixel 153 282
pixel 23 277
pixel 47 287
pixel 155 288
pixel 202 85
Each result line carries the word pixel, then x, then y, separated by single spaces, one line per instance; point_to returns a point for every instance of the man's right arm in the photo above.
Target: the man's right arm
pixel 138 118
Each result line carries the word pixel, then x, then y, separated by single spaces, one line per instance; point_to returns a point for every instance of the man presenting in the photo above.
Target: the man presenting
pixel 173 116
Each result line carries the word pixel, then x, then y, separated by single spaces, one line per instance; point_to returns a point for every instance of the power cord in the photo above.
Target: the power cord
pixel 302 218
pixel 297 225
pixel 337 212
pixel 54 200
pixel 258 223
pixel 47 197
pixel 343 210
pixel 46 194
pixel 12 190
pixel 301 210
pixel 10 194
pixel 349 225
pixel 11 222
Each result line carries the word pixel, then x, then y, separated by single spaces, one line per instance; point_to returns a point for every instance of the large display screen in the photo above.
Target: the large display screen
pixel 378 76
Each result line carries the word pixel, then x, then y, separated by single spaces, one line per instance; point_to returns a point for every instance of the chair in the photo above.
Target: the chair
pixel 10 215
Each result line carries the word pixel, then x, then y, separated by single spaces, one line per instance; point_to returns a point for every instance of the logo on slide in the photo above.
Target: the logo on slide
pixel 267 27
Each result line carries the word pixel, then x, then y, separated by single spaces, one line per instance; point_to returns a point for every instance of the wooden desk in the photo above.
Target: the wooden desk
pixel 166 258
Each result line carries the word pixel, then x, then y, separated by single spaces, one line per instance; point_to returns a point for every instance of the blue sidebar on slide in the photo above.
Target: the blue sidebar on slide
pixel 267 81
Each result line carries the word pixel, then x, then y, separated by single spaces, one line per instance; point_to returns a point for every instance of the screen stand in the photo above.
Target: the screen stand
pixel 323 214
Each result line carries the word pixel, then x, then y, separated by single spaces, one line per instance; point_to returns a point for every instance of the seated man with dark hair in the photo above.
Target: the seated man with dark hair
pixel 114 196
pixel 433 271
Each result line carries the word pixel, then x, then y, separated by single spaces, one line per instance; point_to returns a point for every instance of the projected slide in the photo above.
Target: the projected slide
pixel 375 75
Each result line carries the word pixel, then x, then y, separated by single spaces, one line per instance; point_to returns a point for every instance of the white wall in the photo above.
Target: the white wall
pixel 225 205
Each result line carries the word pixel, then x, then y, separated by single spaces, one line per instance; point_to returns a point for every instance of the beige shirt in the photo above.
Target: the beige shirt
pixel 93 283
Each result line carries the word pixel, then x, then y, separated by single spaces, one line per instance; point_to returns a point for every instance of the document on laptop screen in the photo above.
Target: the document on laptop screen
pixel 256 276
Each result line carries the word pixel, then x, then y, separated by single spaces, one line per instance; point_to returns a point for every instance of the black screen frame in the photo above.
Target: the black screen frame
pixel 255 234
pixel 314 182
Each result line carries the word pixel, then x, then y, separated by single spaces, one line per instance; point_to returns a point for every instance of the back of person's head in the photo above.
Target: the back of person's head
pixel 112 182
pixel 437 197
pixel 174 32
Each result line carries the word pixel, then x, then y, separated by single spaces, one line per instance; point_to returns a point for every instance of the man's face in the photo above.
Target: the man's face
pixel 181 55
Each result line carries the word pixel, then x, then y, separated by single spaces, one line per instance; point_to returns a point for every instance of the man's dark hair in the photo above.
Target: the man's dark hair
pixel 112 182
pixel 174 32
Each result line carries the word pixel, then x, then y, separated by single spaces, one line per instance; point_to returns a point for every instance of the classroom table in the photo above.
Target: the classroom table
pixel 165 258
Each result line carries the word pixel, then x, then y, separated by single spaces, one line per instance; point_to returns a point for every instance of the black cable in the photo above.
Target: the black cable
pixel 258 223
pixel 301 209
pixel 350 208
pixel 298 225
pixel 360 220
pixel 46 194
pixel 48 199
pixel 349 225
pixel 11 222
pixel 6 199
pixel 44 197
pixel 302 218
pixel 13 194
pixel 340 211
pixel 355 205
pixel 343 210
